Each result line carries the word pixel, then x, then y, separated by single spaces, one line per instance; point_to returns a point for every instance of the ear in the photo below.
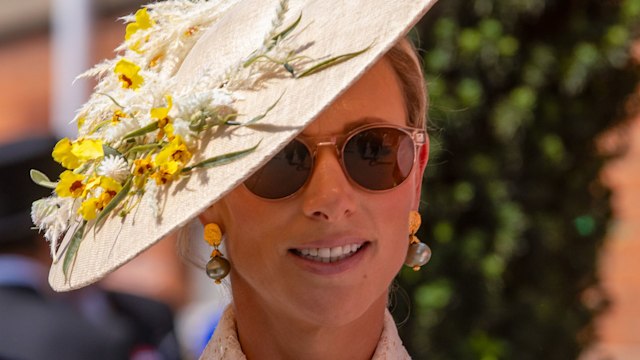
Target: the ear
pixel 423 159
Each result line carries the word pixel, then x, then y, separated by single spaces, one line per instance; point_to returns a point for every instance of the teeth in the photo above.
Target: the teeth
pixel 336 251
pixel 326 255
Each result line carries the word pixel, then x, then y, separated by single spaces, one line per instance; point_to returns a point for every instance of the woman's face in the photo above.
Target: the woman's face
pixel 264 238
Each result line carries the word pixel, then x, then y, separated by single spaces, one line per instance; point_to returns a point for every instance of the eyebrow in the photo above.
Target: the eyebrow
pixel 355 124
pixel 363 121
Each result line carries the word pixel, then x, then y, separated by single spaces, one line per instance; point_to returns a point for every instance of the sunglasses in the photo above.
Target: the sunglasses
pixel 374 157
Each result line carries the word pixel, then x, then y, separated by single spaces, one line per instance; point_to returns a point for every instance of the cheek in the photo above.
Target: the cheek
pixel 250 225
pixel 239 231
pixel 392 222
pixel 396 244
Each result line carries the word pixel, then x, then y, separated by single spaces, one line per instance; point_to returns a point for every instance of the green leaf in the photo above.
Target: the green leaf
pixel 261 116
pixel 147 129
pixel 274 40
pixel 99 126
pixel 222 159
pixel 256 57
pixel 330 62
pixel 72 250
pixel 111 98
pixel 145 147
pixel 108 150
pixel 283 34
pixel 115 201
pixel 41 179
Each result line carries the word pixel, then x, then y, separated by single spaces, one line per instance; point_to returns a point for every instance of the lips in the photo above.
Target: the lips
pixel 329 254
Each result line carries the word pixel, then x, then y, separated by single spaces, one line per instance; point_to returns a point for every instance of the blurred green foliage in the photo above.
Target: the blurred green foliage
pixel 512 206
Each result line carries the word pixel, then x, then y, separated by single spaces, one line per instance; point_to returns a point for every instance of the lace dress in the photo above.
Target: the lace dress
pixel 224 343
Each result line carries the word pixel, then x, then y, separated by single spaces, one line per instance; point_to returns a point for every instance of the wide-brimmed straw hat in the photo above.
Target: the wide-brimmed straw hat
pixel 202 95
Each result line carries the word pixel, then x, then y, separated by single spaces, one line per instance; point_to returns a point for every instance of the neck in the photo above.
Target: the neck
pixel 267 332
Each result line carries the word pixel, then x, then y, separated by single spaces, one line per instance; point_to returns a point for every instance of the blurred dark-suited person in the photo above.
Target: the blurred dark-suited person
pixel 35 322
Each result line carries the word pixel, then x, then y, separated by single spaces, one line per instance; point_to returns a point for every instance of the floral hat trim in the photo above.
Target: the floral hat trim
pixel 137 133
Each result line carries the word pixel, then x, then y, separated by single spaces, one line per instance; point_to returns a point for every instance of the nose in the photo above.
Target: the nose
pixel 328 196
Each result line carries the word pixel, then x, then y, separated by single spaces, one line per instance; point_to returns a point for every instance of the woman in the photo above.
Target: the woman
pixel 289 305
pixel 315 228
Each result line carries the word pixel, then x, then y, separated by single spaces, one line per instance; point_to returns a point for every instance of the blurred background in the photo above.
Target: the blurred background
pixel 531 198
pixel 44 45
pixel 530 203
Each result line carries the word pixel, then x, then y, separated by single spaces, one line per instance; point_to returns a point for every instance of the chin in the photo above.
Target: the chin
pixel 331 308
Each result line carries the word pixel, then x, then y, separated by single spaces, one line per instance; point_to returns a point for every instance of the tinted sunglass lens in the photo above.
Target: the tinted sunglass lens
pixel 284 174
pixel 379 158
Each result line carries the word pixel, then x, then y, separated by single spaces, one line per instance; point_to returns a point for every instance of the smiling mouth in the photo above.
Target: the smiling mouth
pixel 329 255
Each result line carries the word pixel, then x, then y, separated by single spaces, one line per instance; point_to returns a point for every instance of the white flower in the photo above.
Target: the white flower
pixel 181 128
pixel 219 97
pixel 190 103
pixel 40 209
pixel 52 215
pixel 115 167
pixel 116 132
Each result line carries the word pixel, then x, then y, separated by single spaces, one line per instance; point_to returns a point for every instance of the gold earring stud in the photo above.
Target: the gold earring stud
pixel 218 266
pixel 418 253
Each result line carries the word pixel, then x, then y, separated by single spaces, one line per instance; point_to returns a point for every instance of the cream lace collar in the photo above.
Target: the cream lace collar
pixel 224 342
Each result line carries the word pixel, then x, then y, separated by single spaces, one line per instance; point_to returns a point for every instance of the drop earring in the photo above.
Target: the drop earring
pixel 418 253
pixel 218 266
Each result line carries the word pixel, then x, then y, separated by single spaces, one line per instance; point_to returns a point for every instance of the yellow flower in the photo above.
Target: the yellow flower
pixel 161 176
pixel 117 115
pixel 143 21
pixel 175 152
pixel 89 208
pixel 161 113
pixel 109 184
pixel 73 154
pixel 70 184
pixel 81 121
pixel 168 129
pixel 156 59
pixel 171 160
pixel 105 198
pixel 142 166
pixel 104 182
pixel 92 183
pixel 63 154
pixel 92 206
pixel 127 72
pixel 87 149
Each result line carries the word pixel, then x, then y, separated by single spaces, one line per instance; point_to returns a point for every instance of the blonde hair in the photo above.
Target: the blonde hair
pixel 407 66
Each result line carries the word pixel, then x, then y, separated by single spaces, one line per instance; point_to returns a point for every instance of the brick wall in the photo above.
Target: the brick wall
pixel 619 327
pixel 25 78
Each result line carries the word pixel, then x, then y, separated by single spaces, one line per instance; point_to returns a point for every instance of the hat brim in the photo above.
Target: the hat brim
pixel 328 28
